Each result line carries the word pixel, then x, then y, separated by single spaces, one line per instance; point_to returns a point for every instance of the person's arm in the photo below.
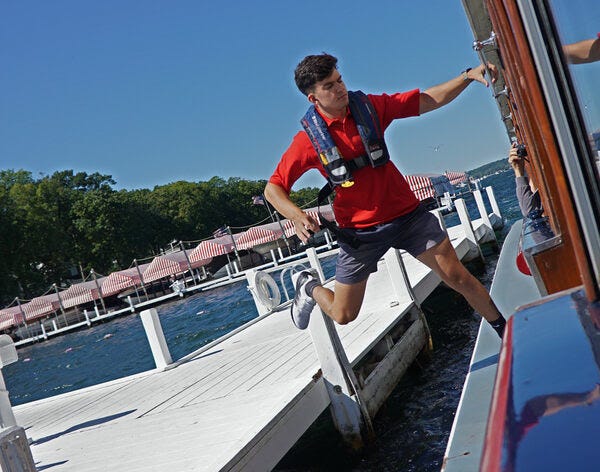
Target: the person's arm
pixel 527 198
pixel 584 51
pixel 442 94
pixel 280 199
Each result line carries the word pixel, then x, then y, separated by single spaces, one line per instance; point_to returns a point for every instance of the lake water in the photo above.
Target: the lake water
pixel 412 428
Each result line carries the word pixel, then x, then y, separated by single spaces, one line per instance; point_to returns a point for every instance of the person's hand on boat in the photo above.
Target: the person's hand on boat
pixel 305 226
pixel 478 73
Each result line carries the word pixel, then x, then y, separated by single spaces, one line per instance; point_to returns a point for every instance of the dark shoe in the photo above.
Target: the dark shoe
pixel 303 304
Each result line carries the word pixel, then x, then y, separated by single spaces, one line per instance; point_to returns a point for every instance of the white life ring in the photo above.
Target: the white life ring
pixel 267 290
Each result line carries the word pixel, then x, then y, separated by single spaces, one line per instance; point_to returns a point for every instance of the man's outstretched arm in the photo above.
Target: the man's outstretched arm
pixel 442 94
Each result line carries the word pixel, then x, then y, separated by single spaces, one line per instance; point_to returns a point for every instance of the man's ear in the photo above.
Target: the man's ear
pixel 311 98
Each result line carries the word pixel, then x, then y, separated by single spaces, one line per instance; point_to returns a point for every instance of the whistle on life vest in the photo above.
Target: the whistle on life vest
pixel 336 168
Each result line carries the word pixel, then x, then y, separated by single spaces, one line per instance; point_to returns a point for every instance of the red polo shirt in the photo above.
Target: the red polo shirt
pixel 379 194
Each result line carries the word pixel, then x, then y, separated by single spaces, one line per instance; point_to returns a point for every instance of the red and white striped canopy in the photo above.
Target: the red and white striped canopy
pixel 260 235
pixel 41 306
pixel 78 294
pixel 173 263
pixel 421 186
pixel 122 280
pixel 214 247
pixel 10 317
pixel 457 177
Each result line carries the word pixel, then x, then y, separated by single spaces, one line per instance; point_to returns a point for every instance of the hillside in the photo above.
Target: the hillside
pixel 487 169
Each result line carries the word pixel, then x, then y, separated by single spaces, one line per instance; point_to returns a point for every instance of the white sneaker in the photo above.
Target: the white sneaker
pixel 303 305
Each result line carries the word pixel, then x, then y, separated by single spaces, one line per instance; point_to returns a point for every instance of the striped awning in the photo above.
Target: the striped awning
pixel 421 186
pixel 214 247
pixel 260 235
pixel 11 316
pixel 84 292
pixel 122 280
pixel 173 263
pixel 457 177
pixel 41 306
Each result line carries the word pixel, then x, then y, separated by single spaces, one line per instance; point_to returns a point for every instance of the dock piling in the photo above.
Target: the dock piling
pixel 484 215
pixel 465 221
pixel 494 204
pixel 348 409
pixel 438 214
pixel 156 338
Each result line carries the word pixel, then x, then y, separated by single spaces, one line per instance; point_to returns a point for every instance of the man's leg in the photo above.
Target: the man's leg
pixel 343 305
pixel 443 260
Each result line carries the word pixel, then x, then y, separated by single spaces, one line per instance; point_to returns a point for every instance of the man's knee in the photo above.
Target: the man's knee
pixel 345 315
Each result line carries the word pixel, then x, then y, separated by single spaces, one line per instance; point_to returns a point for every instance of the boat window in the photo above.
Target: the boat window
pixel 578 25
pixel 571 31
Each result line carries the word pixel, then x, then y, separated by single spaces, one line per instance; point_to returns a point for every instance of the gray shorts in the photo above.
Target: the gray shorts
pixel 415 233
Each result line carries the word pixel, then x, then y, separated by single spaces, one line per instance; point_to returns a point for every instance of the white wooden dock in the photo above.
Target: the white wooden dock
pixel 239 405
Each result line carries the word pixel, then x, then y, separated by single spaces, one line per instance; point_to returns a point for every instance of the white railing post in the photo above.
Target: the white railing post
pixel 87 318
pixel 44 334
pixel 156 338
pixel 399 276
pixel 465 221
pixel 8 355
pixel 328 239
pixel 438 214
pixel 274 258
pixel 347 408
pixel 131 306
pixel 493 202
pixel 15 453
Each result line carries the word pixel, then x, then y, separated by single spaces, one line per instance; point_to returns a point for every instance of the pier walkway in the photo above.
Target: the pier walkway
pixel 238 405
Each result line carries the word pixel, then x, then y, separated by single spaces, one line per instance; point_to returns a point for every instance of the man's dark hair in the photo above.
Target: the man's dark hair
pixel 313 69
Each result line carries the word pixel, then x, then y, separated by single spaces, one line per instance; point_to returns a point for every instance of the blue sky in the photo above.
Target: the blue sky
pixel 152 92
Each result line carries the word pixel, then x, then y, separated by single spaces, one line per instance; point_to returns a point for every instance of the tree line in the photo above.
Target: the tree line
pixel 56 226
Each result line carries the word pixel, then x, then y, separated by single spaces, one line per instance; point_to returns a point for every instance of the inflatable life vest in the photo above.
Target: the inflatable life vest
pixel 339 171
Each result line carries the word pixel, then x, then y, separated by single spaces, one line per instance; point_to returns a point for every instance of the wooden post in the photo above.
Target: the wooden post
pixel 465 220
pixel 438 214
pixel 349 411
pixel 328 239
pixel 274 258
pixel 397 271
pixel 399 276
pixel 15 454
pixel 484 214
pixel 130 301
pixel 156 338
pixel 481 207
pixel 493 203
pixel 87 318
